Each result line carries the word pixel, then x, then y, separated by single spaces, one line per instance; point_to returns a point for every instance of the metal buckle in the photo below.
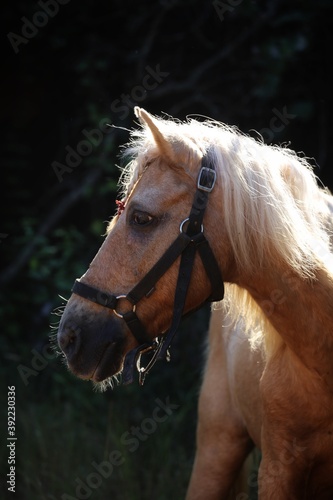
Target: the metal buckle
pixel 206 179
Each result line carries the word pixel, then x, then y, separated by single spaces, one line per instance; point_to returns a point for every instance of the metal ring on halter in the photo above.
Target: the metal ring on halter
pixel 119 314
pixel 184 222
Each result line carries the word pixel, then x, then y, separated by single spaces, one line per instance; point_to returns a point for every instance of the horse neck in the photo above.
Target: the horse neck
pixel 301 312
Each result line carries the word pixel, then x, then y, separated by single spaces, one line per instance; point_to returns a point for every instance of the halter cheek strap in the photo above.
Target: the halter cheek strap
pixel 190 240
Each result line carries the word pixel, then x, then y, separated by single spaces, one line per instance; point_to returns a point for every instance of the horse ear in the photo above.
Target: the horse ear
pixel 162 143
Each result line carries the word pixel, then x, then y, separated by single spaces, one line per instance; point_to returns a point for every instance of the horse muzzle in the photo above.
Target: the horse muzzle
pixel 93 343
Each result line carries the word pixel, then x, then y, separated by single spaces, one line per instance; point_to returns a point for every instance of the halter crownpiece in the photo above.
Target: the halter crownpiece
pixel 190 240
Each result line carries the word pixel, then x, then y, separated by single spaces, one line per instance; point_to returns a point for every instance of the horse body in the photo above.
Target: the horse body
pixel 280 406
pixel 269 378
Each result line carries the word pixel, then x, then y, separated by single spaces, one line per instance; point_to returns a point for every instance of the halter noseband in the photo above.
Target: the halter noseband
pixel 190 239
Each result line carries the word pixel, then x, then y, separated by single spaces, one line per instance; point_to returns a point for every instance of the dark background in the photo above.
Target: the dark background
pixel 261 66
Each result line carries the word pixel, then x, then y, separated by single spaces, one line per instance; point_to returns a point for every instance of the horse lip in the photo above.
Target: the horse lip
pixel 100 373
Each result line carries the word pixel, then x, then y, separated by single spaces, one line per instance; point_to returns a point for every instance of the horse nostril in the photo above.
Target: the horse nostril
pixel 69 340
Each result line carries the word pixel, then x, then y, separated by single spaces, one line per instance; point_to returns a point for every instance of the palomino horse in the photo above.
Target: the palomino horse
pixel 202 201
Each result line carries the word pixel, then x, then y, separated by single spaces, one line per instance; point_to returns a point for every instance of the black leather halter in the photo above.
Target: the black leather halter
pixel 190 240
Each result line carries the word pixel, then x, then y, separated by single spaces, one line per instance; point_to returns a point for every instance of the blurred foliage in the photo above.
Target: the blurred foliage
pixel 235 63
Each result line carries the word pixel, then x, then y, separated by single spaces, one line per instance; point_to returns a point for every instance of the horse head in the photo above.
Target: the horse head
pixel 128 296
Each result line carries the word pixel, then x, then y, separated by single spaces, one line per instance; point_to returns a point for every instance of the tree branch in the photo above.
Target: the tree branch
pixel 72 196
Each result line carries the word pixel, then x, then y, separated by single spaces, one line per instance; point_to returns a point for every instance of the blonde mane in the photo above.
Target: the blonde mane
pixel 273 209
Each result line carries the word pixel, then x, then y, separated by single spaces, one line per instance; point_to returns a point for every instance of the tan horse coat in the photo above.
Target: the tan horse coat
pixel 283 406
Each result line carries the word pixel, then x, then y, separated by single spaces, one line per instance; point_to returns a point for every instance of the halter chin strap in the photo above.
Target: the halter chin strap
pixel 190 240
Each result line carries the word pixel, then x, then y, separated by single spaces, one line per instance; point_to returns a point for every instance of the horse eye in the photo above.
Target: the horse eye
pixel 141 219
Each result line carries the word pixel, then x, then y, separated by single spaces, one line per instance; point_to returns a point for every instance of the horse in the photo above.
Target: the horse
pixel 208 213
